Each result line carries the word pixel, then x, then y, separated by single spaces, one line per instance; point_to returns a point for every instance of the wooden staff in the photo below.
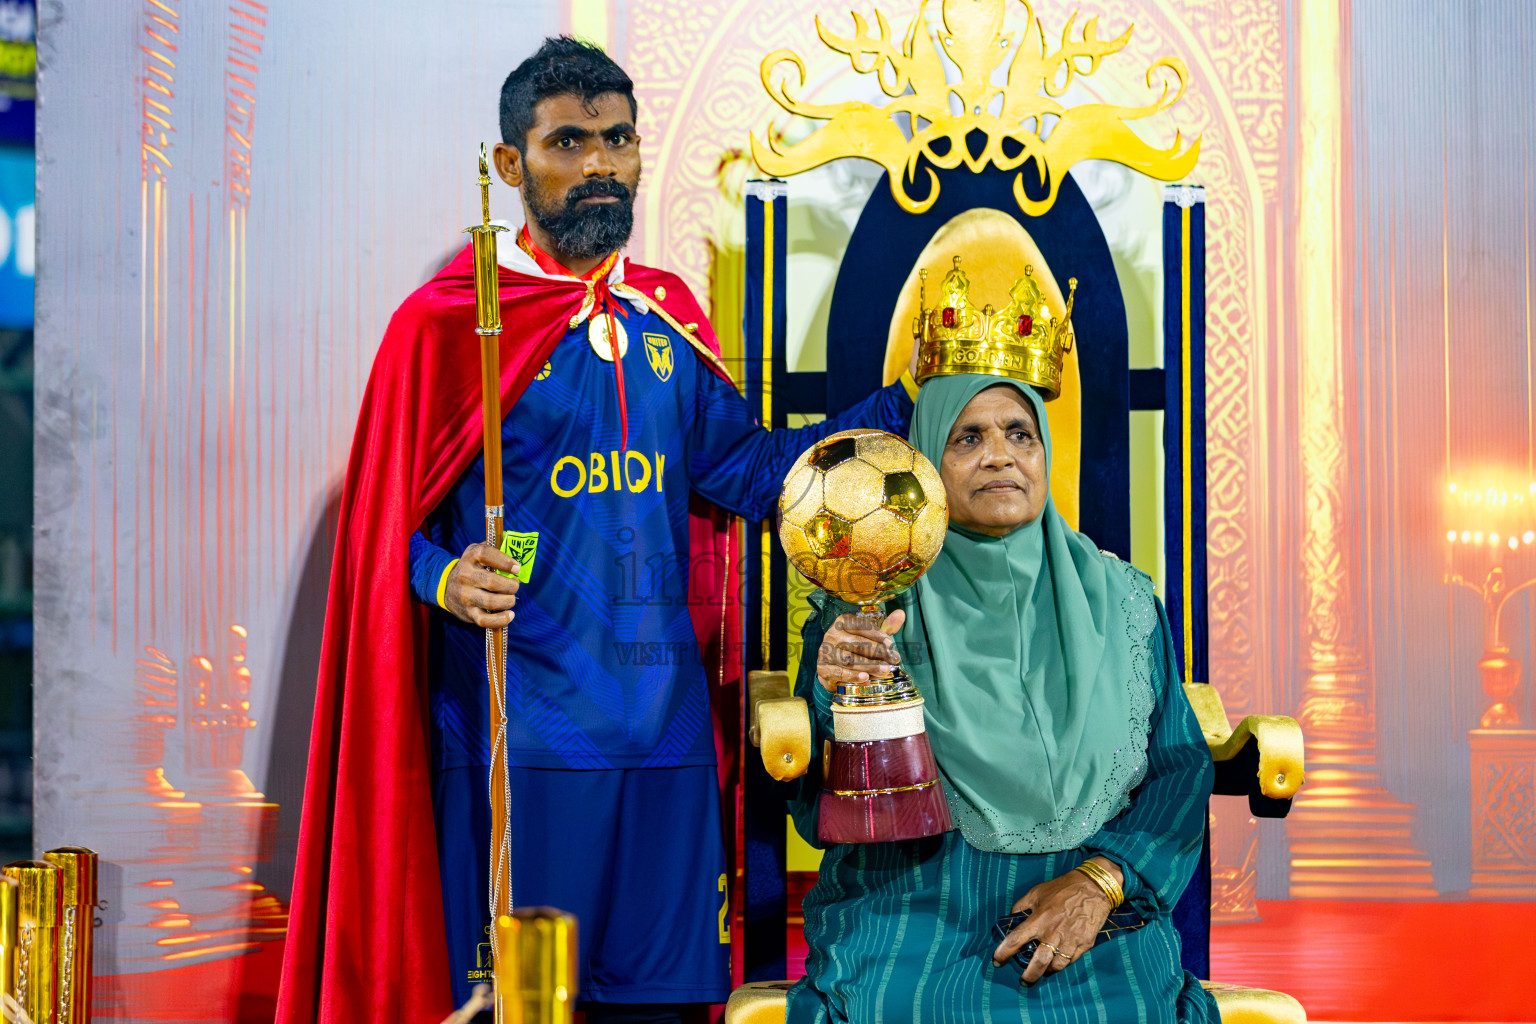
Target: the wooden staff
pixel 488 327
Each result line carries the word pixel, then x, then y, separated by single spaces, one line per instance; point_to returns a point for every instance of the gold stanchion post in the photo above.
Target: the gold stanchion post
pixel 536 981
pixel 8 898
pixel 37 920
pixel 77 905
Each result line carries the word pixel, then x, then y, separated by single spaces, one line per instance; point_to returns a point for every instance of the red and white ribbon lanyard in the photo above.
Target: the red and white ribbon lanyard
pixel 599 301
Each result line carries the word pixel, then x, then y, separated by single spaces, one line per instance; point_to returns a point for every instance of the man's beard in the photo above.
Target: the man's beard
pixel 583 232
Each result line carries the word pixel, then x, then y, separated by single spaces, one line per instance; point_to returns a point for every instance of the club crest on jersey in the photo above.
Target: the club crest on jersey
pixel 658 350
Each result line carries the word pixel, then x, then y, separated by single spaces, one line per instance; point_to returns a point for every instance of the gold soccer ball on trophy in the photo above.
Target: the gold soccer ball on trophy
pixel 862 515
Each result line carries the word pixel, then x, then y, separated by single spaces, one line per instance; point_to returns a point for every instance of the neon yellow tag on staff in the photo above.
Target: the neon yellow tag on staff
pixel 525 548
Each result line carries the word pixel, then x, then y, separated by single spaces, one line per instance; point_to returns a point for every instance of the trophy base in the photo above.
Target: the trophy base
pixel 895 688
pixel 882 791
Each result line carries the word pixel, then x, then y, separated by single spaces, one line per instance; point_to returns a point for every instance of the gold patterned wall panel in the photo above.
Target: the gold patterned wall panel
pixel 1239 50
pixel 1246 54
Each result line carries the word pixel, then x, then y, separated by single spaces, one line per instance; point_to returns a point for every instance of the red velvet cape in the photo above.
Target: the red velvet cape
pixel 366 939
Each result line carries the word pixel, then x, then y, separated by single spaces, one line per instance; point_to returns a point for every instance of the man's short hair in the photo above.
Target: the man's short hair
pixel 562 65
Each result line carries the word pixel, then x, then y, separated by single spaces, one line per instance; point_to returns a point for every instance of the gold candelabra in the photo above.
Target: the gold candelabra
pixel 1491 533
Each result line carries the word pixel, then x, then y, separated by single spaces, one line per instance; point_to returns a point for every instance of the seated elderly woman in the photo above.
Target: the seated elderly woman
pixel 1073 765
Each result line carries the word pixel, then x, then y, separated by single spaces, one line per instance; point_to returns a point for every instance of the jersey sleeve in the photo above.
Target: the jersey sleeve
pixel 739 466
pixel 430 566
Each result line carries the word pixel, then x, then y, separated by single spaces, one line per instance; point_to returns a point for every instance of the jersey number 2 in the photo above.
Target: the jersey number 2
pixel 725 907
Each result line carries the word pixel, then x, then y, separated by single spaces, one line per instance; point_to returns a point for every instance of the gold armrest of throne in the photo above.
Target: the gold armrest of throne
pixel 778 724
pixel 1262 759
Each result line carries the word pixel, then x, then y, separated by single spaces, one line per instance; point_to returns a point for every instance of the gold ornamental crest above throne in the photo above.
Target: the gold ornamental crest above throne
pixel 1030 122
pixel 1023 340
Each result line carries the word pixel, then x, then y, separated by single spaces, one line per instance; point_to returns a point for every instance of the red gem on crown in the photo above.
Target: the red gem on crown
pixel 1026 325
pixel 949 316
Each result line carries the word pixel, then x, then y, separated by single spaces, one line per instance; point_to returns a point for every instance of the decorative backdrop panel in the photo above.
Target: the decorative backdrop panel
pixel 234 198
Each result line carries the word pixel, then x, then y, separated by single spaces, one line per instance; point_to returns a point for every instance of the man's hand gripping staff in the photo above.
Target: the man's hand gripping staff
pixel 477 594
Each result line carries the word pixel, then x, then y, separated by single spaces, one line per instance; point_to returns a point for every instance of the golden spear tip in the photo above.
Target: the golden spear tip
pixel 485 189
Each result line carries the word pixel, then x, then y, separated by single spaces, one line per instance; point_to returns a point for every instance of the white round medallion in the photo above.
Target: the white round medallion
pixel 597 334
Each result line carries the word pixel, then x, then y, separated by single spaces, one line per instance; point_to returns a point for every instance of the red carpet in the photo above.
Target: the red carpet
pixel 1362 961
pixel 1377 961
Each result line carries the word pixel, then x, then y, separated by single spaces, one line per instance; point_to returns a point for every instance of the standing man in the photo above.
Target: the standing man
pixel 623 442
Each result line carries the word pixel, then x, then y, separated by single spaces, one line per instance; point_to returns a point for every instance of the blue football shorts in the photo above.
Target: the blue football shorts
pixel 636 854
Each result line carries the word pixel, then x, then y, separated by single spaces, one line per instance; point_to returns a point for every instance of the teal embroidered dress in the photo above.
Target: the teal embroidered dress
pixel 1038 777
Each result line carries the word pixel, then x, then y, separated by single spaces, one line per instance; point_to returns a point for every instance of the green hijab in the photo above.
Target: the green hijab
pixel 1036 671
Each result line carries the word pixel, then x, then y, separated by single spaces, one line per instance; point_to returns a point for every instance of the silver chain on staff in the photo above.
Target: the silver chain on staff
pixel 501 857
pixel 67 965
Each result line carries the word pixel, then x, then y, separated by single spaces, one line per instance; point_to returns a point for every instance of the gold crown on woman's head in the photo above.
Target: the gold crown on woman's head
pixel 1022 340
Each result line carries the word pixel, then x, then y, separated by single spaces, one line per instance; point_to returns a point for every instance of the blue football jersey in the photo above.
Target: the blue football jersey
pixel 603 670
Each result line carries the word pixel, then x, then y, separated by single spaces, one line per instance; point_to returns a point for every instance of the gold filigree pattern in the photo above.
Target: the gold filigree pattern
pixel 1246 50
pixel 1246 55
pixel 920 120
pixel 694 66
pixel 1503 813
pixel 1237 73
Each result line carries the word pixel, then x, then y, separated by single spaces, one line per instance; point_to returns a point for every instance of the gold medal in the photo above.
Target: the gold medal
pixel 597 334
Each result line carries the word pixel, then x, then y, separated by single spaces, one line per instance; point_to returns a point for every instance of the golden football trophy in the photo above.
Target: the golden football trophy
pixel 863 515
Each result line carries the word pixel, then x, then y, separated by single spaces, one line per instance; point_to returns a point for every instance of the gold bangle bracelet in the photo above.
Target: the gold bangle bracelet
pixel 1098 873
pixel 1114 891
pixel 1106 886
pixel 1105 881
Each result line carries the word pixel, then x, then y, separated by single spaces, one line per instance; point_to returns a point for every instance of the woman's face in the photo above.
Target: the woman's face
pixel 994 464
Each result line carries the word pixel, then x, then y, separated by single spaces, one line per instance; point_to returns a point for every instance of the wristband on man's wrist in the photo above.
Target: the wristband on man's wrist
pixel 442 584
